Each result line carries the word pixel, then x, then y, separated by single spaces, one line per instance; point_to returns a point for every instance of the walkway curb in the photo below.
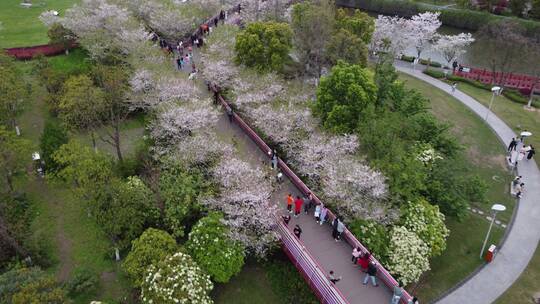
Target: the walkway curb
pixel 490 281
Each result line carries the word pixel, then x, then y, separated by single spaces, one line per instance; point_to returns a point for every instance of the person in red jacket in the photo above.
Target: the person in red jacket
pixel 363 261
pixel 298 206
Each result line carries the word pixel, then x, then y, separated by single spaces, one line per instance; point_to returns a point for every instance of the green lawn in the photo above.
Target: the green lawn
pixel 485 154
pixel 512 113
pixel 250 286
pixel 21 26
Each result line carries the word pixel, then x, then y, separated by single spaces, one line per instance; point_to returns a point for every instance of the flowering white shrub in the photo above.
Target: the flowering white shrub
pixel 427 154
pixel 49 18
pixel 210 245
pixel 408 255
pixel 176 279
pixel 427 222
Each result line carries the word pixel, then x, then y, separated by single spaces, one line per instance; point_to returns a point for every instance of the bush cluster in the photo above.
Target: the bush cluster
pixel 460 18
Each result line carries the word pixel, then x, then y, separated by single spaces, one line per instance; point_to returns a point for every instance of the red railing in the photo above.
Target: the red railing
pixel 510 80
pixel 382 273
pixel 24 53
pixel 312 272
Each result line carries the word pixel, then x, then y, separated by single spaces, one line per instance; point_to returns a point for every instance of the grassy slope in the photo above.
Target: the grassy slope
pixel 512 113
pixel 487 158
pixel 73 239
pixel 22 26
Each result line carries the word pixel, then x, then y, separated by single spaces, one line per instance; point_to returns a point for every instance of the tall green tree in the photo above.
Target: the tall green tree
pixel 82 105
pixel 13 92
pixel 211 247
pixel 148 249
pixel 359 24
pixel 264 45
pixel 313 22
pixel 113 80
pixel 52 138
pixel 347 47
pixel 343 96
pixel 15 155
pixel 181 190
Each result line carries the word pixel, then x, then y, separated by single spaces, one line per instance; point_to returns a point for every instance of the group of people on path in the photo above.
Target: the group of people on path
pixel 514 156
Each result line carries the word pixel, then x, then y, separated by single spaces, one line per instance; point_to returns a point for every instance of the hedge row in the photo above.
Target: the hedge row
pixel 460 18
pixel 511 94
pixel 434 64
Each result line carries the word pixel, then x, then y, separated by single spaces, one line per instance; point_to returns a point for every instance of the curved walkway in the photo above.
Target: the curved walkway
pixel 492 280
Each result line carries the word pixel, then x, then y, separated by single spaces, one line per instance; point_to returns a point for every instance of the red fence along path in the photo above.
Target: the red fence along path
pixel 290 247
pixel 24 53
pixel 510 80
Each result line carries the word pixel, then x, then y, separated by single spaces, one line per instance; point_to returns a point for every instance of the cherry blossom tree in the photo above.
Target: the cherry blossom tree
pixel 452 46
pixel 244 202
pixel 391 34
pixel 422 28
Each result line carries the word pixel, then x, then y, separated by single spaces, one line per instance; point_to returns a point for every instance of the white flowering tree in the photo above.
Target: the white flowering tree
pixel 422 28
pixel 176 279
pixel 408 255
pixel 427 222
pixel 390 35
pixel 244 202
pixel 452 46
pixel 210 245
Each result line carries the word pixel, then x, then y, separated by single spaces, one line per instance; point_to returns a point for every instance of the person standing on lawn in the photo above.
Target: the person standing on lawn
pixel 298 206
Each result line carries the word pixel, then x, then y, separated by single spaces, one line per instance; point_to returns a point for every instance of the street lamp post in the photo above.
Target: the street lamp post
pixel 496 91
pixel 495 208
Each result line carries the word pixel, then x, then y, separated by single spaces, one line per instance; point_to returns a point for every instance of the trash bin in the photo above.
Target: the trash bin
pixel 490 254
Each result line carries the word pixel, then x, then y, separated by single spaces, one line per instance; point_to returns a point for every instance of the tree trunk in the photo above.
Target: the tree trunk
pixel 9 181
pixel 117 142
pixel 94 141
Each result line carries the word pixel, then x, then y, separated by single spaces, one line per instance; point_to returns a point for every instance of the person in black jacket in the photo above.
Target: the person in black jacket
pixel 371 273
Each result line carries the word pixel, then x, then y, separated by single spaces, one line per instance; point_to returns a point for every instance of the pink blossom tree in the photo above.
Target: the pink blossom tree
pixel 452 46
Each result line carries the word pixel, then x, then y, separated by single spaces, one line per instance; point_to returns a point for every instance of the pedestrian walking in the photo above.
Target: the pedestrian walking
pixel 332 277
pixel 201 42
pixel 186 59
pixel 363 261
pixel 229 113
pixel 340 229
pixel 519 189
pixel 216 20
pixel 286 219
pixel 414 300
pixel 279 177
pixel 513 144
pixel 371 274
pixel 516 181
pixel 454 66
pixel 290 201
pixel 308 202
pixel 317 213
pixel 335 223
pixel 297 231
pixel 356 254
pixel 454 87
pixel 397 295
pixel 324 212
pixel 298 206
pixel 179 62
pixel 274 160
pixel 531 152
pixel 222 15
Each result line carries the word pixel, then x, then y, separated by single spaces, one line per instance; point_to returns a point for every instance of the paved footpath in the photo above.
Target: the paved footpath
pixel 493 280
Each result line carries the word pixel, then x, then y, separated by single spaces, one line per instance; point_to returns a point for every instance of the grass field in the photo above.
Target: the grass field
pixel 512 113
pixel 21 26
pixel 486 157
